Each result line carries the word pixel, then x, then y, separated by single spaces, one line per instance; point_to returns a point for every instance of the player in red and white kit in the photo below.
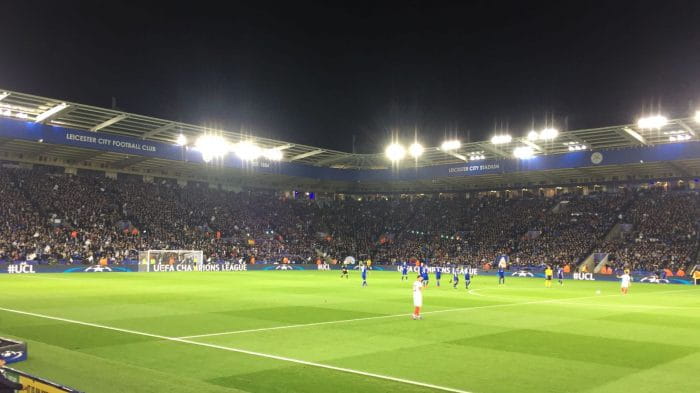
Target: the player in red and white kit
pixel 625 280
pixel 417 297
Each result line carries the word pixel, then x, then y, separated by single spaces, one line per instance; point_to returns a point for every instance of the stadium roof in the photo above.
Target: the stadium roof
pixel 90 118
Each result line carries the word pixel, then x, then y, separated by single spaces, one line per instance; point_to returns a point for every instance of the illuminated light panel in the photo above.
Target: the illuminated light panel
pixel 652 122
pixel 212 147
pixel 450 145
pixel 415 150
pixel 523 152
pixel 533 135
pixel 50 112
pixel 697 116
pixel 395 152
pixel 273 154
pixel 501 139
pixel 549 133
pixel 181 140
pixel 679 138
pixel 247 151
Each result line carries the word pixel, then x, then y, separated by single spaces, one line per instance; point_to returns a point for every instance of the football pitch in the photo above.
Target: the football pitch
pixel 311 331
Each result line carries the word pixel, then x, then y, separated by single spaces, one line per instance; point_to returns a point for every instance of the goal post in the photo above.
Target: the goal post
pixel 170 260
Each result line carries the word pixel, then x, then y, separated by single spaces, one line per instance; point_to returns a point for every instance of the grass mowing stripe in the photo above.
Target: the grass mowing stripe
pixel 389 316
pixel 237 350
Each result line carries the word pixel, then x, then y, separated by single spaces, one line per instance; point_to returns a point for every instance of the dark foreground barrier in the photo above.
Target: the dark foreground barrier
pixel 35 384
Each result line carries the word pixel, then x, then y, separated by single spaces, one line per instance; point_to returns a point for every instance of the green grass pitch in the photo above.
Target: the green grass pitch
pixel 123 332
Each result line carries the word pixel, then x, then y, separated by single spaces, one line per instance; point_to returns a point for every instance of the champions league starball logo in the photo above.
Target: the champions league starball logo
pixel 522 273
pixel 654 280
pixel 10 356
pixel 98 269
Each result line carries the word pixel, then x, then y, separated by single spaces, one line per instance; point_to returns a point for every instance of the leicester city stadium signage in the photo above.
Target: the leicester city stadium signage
pixel 31 131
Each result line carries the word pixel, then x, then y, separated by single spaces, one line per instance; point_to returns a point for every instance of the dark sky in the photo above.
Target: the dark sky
pixel 317 74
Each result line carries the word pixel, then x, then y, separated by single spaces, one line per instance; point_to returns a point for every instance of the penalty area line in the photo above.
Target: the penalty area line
pixel 243 351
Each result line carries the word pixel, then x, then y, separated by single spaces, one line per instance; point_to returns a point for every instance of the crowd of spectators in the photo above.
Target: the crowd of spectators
pixel 54 217
pixel 663 235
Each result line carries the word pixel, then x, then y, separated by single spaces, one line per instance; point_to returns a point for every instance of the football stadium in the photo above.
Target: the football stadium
pixel 143 254
pixel 350 197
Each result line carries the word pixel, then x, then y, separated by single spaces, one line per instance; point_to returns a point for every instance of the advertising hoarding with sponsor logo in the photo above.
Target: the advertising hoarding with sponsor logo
pixel 12 351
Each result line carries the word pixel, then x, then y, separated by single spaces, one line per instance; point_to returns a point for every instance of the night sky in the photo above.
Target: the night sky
pixel 317 74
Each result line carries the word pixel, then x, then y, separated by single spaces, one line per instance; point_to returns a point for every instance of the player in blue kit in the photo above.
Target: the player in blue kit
pixel 560 275
pixel 424 274
pixel 455 277
pixel 467 277
pixel 501 275
pixel 404 271
pixel 363 271
pixel 438 274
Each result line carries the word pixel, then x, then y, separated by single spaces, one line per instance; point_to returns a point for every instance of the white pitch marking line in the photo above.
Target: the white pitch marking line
pixel 388 316
pixel 238 350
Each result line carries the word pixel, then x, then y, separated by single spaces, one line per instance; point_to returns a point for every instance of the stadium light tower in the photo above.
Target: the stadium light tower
pixel 652 122
pixel 501 139
pixel 415 150
pixel 523 152
pixel 450 145
pixel 212 146
pixel 395 152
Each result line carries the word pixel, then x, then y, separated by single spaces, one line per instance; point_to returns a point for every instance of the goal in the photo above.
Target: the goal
pixel 170 260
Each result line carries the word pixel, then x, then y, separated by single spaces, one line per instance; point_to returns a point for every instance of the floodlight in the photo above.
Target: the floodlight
pixel 501 139
pixel 652 122
pixel 181 140
pixel 450 145
pixel 273 154
pixel 212 146
pixel 415 150
pixel 549 133
pixel 523 152
pixel 697 116
pixel 50 112
pixel 395 152
pixel 247 150
pixel 533 136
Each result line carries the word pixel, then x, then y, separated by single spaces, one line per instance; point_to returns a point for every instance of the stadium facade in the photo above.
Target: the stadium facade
pixel 39 130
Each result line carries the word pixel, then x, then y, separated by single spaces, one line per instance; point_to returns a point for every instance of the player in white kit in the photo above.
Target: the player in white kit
pixel 625 283
pixel 417 297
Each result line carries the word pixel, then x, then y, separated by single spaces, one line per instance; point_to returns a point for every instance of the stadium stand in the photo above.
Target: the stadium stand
pixel 52 217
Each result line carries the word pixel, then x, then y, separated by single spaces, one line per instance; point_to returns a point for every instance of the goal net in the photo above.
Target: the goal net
pixel 170 260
